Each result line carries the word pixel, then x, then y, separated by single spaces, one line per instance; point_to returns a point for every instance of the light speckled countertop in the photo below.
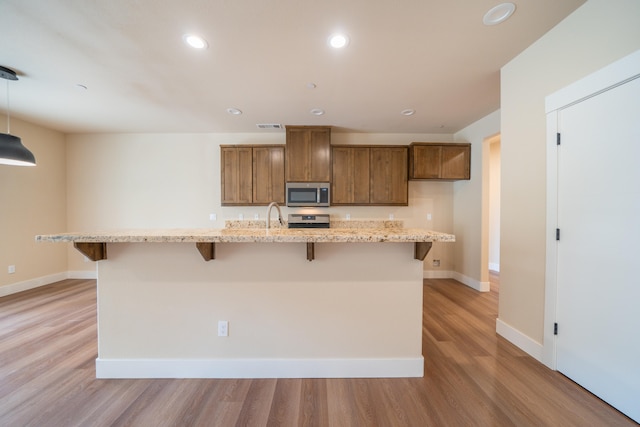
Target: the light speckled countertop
pixel 255 232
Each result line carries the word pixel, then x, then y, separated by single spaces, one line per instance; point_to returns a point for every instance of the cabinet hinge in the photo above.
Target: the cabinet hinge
pixel 555 329
pixel 558 138
pixel 557 234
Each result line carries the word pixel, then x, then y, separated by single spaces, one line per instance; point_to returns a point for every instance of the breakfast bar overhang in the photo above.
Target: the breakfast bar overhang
pixel 355 311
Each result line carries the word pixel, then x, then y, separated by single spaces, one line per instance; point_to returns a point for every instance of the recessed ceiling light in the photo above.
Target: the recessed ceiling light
pixel 317 111
pixel 234 111
pixel 408 112
pixel 338 41
pixel 195 41
pixel 499 13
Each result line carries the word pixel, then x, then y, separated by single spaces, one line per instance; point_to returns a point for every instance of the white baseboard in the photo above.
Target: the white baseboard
pixel 494 266
pixel 446 274
pixel 260 368
pixel 14 288
pixel 520 340
pixel 437 274
pixel 472 283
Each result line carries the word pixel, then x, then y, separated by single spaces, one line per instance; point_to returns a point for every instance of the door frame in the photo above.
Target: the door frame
pixel 615 74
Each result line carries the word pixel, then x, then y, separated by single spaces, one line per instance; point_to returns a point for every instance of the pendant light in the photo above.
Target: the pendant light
pixel 12 152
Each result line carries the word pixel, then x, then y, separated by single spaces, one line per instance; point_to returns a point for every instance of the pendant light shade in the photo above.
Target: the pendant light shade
pixel 12 152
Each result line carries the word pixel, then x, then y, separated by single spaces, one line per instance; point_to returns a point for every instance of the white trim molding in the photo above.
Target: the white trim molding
pixel 472 283
pixel 465 280
pixel 520 340
pixel 260 368
pixel 14 288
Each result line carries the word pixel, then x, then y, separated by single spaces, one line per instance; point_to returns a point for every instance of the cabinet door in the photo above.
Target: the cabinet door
pixel 236 175
pixel 389 177
pixel 308 155
pixel 456 162
pixel 426 161
pixel 298 155
pixel 268 174
pixel 320 148
pixel 350 173
pixel 445 161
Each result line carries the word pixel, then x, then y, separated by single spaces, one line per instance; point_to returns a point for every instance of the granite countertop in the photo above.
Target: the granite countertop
pixel 255 232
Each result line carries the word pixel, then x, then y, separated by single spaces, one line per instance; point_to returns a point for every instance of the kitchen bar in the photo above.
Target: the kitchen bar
pixel 356 311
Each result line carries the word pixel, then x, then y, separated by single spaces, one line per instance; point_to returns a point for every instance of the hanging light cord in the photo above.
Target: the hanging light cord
pixel 8 111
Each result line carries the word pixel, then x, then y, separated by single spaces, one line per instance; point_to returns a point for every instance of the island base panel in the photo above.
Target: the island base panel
pixel 355 311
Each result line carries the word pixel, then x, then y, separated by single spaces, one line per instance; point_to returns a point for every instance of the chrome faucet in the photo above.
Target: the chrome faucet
pixel 272 204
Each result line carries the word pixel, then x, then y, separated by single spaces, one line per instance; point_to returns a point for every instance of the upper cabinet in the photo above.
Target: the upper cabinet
pixel 308 154
pixel 236 170
pixel 388 178
pixel 369 175
pixel 350 175
pixel 439 161
pixel 268 174
pixel 252 174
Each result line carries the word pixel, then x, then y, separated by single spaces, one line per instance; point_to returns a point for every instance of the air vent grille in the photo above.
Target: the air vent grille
pixel 269 126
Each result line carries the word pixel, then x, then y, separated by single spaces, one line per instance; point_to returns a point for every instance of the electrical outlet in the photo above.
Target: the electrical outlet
pixel 213 217
pixel 391 216
pixel 436 263
pixel 348 216
pixel 428 217
pixel 256 216
pixel 240 217
pixel 223 328
pixel 11 269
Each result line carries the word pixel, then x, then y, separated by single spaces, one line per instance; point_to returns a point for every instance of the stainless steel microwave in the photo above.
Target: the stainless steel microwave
pixel 303 194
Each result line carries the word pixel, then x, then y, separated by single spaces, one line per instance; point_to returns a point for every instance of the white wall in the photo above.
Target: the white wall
pixel 173 180
pixel 32 201
pixel 595 35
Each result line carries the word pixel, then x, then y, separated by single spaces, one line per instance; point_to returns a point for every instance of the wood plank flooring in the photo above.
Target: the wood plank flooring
pixel 472 377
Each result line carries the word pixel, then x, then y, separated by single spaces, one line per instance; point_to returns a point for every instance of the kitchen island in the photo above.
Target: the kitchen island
pixel 354 311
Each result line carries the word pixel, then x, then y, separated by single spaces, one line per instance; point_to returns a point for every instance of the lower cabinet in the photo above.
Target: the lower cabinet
pixel 252 174
pixel 369 175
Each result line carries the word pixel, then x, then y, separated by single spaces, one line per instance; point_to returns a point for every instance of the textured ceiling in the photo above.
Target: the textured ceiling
pixel 433 56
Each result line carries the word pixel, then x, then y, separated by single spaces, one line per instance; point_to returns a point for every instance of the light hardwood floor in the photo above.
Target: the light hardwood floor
pixel 472 377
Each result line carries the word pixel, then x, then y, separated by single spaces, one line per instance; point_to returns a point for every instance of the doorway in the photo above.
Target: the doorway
pixel 593 204
pixel 491 211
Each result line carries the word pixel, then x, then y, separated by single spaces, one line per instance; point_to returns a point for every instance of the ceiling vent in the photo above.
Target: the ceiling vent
pixel 269 126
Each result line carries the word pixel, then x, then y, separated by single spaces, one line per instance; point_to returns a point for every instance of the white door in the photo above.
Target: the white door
pixel 598 254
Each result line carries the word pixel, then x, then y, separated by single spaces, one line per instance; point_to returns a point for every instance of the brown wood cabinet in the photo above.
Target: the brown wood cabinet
pixel 439 161
pixel 268 174
pixel 308 154
pixel 350 175
pixel 369 175
pixel 236 179
pixel 388 178
pixel 252 174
